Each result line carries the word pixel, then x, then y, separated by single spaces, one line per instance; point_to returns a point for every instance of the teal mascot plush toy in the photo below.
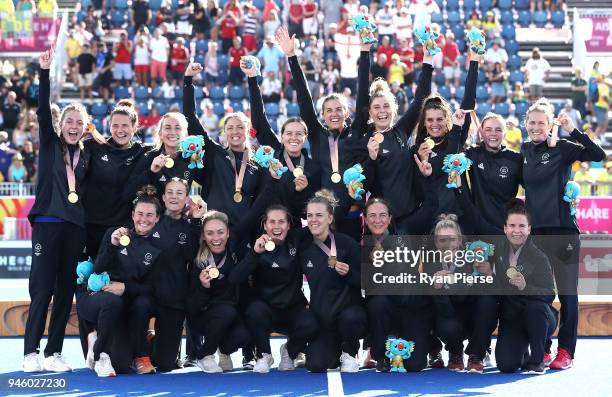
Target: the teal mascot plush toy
pixel 455 165
pixel 398 350
pixel 428 39
pixel 476 38
pixel 97 281
pixel 485 249
pixel 364 25
pixel 264 156
pixel 572 191
pixel 353 179
pixel 83 271
pixel 250 61
pixel 192 148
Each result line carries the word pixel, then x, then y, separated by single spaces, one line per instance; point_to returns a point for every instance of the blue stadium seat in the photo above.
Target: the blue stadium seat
pixel 155 4
pixel 524 18
pixel 512 47
pixel 178 92
pixel 201 46
pixel 223 61
pixel 558 107
pixel 237 106
pixel 99 109
pixel 199 58
pixel 217 94
pixel 408 91
pixel 452 5
pixel 439 79
pixel 121 5
pixel 161 107
pixel 141 92
pixel 540 18
pixel 272 109
pixel 482 108
pixel 437 18
pixel 81 16
pixel 445 92
pixel 514 62
pixel 481 78
pixel 516 76
pixel 505 4
pixel 459 93
pixel 502 108
pixel 236 93
pixel 506 17
pixel 118 18
pixel 461 45
pixel 463 75
pixel 99 124
pixel 223 78
pixel 509 32
pixel 199 93
pixel 485 5
pixel 453 17
pixel 259 4
pixel 293 110
pixel 85 4
pixel 469 6
pixel 440 3
pixel 558 19
pixel 458 31
pixel 157 92
pixel 521 4
pixel 121 92
pixel 521 109
pixel 143 108
pixel 130 31
pixel 218 108
pixel 482 93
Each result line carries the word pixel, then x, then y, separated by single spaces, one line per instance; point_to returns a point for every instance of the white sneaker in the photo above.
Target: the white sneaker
pixel 264 363
pixel 91 340
pixel 225 362
pixel 487 362
pixel 56 363
pixel 209 365
pixel 286 363
pixel 300 361
pixel 31 363
pixel 348 363
pixel 103 366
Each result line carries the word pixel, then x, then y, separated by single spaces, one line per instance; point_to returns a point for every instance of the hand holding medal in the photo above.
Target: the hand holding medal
pixel 341 268
pixel 205 278
pixel 159 162
pixel 264 243
pixel 516 278
pixel 121 237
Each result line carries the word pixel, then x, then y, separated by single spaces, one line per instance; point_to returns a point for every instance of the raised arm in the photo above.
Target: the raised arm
pixel 586 151
pixel 189 105
pixel 45 120
pixel 408 120
pixel 469 97
pixel 362 114
pixel 265 133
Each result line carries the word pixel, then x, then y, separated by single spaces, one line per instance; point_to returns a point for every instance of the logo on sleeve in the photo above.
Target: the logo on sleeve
pixel 124 251
pixel 104 158
pixel 147 260
pixel 129 160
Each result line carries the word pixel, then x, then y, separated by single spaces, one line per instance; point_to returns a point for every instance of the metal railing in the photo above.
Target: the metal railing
pixel 18 189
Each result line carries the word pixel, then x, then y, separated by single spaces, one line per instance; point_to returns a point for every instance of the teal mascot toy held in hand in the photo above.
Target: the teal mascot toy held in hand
pixel 264 156
pixel 83 271
pixel 250 61
pixel 572 191
pixel 455 165
pixel 485 249
pixel 476 38
pixel 428 39
pixel 364 25
pixel 398 350
pixel 97 281
pixel 192 148
pixel 353 179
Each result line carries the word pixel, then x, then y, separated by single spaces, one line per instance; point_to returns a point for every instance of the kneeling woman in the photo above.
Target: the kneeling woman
pixel 122 309
pixel 331 262
pixel 212 309
pixel 278 303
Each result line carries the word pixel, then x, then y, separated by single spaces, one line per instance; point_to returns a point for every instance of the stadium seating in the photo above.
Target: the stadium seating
pixel 217 94
pixel 514 62
pixel 482 108
pixel 540 18
pixel 293 110
pixel 459 93
pixel 445 92
pixel 502 108
pixel 524 18
pixel 121 92
pixel 558 19
pixel 272 109
pixel 99 109
pixel 141 92
pixel 236 93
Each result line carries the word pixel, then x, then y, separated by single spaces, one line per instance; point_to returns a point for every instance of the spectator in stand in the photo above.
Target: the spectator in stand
pixel 271 57
pixel 379 68
pixel 269 6
pixel 518 95
pixel 210 121
pixel 474 21
pixel 403 25
pixel 312 51
pixel 514 136
pixel 601 107
pixel 579 91
pixel 160 53
pixel 384 20
pixel 17 172
pixel 229 29
pixel 29 160
pixel 30 91
pixel 22 133
pixel 385 48
pixel 179 59
pixel 150 122
pixel 441 42
pixel 272 23
pixel 400 97
pixel 105 70
pixel 329 45
pixel 330 77
pixel 7 7
pixel 250 28
pixel 397 70
pixel 537 71
pixel 26 6
pixel 604 181
pixel 332 10
pixel 201 21
pixel 73 50
pixel 350 101
pixel 211 65
pixel 495 54
pixel 142 59
pixel 10 113
pixel 141 14
pixel 573 114
pixel 271 88
pixel 584 178
pixel 91 22
pixel 344 26
pixel 236 77
pixel 87 68
pixel 497 77
pixel 47 8
pixel 310 24
pixel 123 61
pixel 491 25
pixel 165 16
pixel 422 11
pixel 184 11
pixel 6 153
pixel 213 12
pixel 233 7
pixel 406 54
pixel 296 16
pixel 310 66
pixel 450 52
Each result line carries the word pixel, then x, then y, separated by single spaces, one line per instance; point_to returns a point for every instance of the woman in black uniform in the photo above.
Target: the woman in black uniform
pixel 212 308
pixel 122 309
pixel 278 303
pixel 331 263
pixel 58 226
pixel 304 176
pixel 546 171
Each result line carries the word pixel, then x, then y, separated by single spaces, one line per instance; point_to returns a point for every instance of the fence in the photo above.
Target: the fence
pixel 17 189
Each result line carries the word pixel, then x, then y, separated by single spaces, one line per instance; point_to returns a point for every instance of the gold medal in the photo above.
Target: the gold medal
pixel 335 177
pixel 237 197
pixel 430 143
pixel 73 197
pixel 332 261
pixel 512 272
pixel 169 163
pixel 124 240
pixel 270 246
pixel 379 137
pixel 213 272
pixel 298 172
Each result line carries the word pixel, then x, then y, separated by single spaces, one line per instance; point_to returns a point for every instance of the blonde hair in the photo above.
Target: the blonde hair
pixel 327 198
pixel 334 96
pixel 201 259
pixel 380 89
pixel 240 116
pixel 178 117
pixel 494 116
pixel 74 107
pixel 447 221
pixel 542 105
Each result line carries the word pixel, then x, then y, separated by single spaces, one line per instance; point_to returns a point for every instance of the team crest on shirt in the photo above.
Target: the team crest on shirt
pixel 292 251
pixel 186 175
pixel 156 234
pixel 147 260
pixel 104 158
pixel 545 158
pixel 129 160
pixel 38 249
pixel 309 264
pixel 163 178
pixel 124 251
pixel 182 238
pixel 234 257
pixel 503 172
